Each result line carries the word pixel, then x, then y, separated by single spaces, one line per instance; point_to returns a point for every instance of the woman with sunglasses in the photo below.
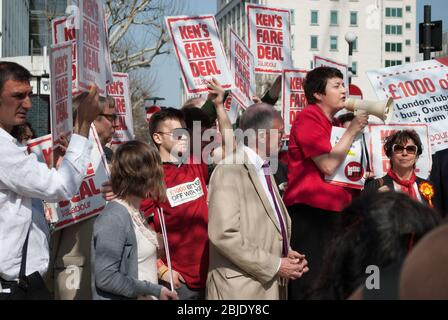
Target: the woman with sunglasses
pixel 403 149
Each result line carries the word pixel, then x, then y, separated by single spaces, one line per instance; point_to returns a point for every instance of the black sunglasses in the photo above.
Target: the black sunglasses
pixel 109 117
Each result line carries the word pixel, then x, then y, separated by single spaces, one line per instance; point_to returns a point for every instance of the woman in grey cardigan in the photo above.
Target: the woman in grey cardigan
pixel 123 247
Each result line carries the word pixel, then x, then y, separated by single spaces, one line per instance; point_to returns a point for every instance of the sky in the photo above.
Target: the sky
pixel 166 69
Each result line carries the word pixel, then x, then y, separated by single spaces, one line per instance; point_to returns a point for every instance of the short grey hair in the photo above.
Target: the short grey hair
pixel 258 116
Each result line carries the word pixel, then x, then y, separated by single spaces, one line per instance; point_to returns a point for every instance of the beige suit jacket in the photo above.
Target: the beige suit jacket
pixel 245 237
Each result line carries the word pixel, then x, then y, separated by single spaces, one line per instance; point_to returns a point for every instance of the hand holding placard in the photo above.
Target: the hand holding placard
pixel 89 108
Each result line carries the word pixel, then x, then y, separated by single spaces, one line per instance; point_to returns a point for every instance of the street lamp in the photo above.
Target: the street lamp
pixel 350 37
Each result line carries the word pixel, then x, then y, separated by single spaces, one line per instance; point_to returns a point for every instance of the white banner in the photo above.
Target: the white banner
pixel 119 90
pixel 92 45
pixel 63 30
pixel 242 63
pixel 294 99
pixel 325 62
pixel 269 38
pixel 199 52
pixel 380 162
pixel 61 91
pixel 89 201
pixel 351 172
pixel 420 93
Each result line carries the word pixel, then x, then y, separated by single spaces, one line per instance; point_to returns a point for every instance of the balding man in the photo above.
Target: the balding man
pixel 249 227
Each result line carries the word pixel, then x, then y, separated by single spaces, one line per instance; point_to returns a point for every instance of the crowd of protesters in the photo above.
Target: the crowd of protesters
pixel 255 224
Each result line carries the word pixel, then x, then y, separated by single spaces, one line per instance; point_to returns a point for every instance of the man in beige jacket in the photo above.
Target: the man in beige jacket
pixel 249 227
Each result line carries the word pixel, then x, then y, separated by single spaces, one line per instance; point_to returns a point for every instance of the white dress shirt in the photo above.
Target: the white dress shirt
pixel 22 179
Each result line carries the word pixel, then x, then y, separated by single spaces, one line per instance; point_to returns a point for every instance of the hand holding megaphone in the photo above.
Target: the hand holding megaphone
pixel 382 109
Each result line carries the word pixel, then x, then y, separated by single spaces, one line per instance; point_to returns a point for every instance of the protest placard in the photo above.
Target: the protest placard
pixel 293 96
pixel 92 45
pixel 199 52
pixel 350 173
pixel 420 93
pixel 269 38
pixel 325 62
pixel 61 91
pixel 42 147
pixel 242 64
pixel 119 91
pixel 63 30
pixel 378 159
pixel 89 201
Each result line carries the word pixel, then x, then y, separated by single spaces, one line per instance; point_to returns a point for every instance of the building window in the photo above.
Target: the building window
pixel 394 29
pixel 355 45
pixel 311 65
pixel 353 18
pixel 408 25
pixel 333 18
pixel 408 42
pixel 355 68
pixel 313 42
pixel 408 8
pixel 314 17
pixel 333 43
pixel 407 59
pixel 391 63
pixel 394 12
pixel 393 47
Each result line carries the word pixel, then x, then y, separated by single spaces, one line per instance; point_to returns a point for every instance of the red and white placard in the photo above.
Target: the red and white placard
pixel 420 93
pixel 269 38
pixel 294 99
pixel 199 52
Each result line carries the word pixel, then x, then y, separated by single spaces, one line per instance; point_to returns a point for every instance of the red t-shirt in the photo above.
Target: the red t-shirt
pixel 186 220
pixel 309 138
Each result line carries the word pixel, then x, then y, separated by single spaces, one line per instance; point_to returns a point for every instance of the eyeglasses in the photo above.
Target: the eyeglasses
pixel 411 149
pixel 110 117
pixel 178 133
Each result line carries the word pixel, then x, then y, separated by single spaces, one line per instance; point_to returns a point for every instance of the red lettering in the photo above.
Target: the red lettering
pixel 269 53
pixel 61 112
pixel 91 60
pixel 69 34
pixel 47 155
pixel 91 34
pixel 204 68
pixel 120 105
pixel 199 50
pixel 91 9
pixel 191 32
pixel 115 88
pixel 269 36
pixel 297 100
pixel 121 123
pixel 296 83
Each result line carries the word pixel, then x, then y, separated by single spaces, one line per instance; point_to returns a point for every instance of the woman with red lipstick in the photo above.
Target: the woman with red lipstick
pixel 313 204
pixel 403 149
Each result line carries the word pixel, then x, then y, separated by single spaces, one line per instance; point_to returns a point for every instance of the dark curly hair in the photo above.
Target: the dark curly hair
pixel 376 229
pixel 401 137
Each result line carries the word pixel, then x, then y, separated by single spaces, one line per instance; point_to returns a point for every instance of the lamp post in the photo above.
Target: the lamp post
pixel 350 37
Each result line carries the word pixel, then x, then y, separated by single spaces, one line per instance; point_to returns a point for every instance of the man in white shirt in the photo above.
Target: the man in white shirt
pixel 23 178
pixel 249 227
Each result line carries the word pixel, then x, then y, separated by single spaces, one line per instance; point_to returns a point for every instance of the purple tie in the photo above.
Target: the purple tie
pixel 267 175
